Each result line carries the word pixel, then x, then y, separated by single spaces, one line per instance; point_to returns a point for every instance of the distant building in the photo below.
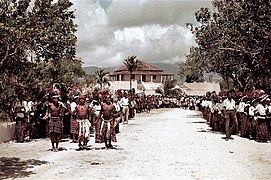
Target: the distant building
pixel 145 73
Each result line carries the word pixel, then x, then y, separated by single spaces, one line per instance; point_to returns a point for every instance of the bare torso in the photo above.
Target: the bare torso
pixel 55 109
pixel 107 111
pixel 82 111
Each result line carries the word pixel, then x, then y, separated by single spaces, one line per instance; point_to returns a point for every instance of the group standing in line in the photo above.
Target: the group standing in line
pixel 102 112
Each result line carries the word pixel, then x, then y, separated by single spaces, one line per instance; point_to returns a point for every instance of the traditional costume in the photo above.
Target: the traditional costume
pixel 108 129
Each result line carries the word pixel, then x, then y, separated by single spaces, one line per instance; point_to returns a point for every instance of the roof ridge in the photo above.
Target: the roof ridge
pixel 147 66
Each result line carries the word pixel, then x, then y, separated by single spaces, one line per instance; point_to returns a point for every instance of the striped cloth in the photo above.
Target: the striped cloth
pixel 55 125
pixel 74 127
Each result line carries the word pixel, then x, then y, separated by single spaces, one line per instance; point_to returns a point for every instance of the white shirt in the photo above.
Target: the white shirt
pixel 241 107
pixel 96 109
pixel 251 110
pixel 229 104
pixel 73 106
pixel 218 107
pixel 117 106
pixel 261 109
pixel 124 101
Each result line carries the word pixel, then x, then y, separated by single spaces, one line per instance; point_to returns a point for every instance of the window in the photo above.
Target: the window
pixel 133 76
pixel 153 76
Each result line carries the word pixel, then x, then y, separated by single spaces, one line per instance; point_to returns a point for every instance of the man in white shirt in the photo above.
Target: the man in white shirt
pixel 74 124
pixel 230 115
pixel 242 117
pixel 262 132
pixel 124 103
pixel 96 108
pixel 118 117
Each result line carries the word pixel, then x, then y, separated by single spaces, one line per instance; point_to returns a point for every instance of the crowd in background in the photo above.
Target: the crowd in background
pixel 230 113
pixel 249 117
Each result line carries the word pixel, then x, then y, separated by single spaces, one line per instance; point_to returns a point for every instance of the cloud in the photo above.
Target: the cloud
pixel 154 31
pixel 137 13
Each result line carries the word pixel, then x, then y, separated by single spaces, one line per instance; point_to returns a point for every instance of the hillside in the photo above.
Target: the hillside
pixel 92 69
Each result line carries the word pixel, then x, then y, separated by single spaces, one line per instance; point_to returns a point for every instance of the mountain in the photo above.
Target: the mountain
pixel 92 69
pixel 169 68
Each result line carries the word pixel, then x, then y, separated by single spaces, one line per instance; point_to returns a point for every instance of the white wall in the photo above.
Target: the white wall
pixel 7 131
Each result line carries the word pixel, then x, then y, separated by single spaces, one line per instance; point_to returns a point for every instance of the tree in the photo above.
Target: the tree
pixel 159 90
pixel 45 31
pixel 34 39
pixel 234 41
pixel 132 64
pixel 192 70
pixel 168 85
pixel 70 70
pixel 101 77
pixel 89 79
pixel 56 39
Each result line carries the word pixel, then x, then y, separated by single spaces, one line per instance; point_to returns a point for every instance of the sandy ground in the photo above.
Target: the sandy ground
pixel 163 144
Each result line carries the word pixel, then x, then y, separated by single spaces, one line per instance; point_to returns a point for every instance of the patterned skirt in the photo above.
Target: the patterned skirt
pixel 55 125
pixel 108 130
pixel 20 131
pixel 244 123
pixel 74 127
pixel 262 134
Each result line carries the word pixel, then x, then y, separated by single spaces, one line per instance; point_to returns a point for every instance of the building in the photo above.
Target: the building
pixel 144 73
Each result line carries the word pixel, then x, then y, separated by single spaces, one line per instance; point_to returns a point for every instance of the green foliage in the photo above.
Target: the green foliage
pixel 159 90
pixel 37 47
pixel 89 80
pixel 192 70
pixel 131 63
pixel 168 85
pixel 234 41
pixel 54 36
pixel 69 70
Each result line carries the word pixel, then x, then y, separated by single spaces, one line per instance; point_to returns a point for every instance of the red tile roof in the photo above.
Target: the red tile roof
pixel 144 68
pixel 142 72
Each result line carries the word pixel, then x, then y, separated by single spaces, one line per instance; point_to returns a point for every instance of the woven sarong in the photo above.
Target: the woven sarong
pixel 107 129
pixel 55 125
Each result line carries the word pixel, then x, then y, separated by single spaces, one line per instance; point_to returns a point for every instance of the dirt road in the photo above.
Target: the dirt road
pixel 163 144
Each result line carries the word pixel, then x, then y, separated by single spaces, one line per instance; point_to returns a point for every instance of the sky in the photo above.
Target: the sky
pixel 153 30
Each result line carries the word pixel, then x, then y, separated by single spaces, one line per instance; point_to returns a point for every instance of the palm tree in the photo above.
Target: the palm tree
pixel 101 77
pixel 132 64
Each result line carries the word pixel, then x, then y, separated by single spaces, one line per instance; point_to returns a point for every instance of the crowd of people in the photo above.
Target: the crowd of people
pixel 102 112
pixel 77 115
pixel 246 115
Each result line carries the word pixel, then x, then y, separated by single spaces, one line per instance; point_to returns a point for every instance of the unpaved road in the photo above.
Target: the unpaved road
pixel 163 144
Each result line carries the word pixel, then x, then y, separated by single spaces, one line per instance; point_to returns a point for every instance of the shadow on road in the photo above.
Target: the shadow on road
pixel 194 116
pixel 199 122
pixel 13 167
pixel 203 130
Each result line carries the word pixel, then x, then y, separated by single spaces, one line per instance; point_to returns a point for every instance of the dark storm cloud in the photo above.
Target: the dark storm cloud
pixel 138 13
pixel 154 31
